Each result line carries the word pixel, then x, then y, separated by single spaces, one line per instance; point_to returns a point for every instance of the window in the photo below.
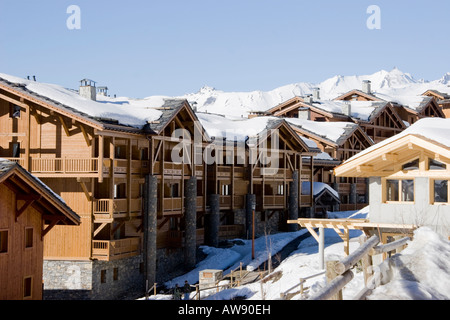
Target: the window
pixel 16 150
pixel 226 189
pixel 413 165
pixel 14 111
pixel 103 276
pixel 400 190
pixel 392 190
pixel 280 189
pixel 27 287
pixel 4 241
pixel 116 274
pixel 28 237
pixel 440 194
pixel 436 165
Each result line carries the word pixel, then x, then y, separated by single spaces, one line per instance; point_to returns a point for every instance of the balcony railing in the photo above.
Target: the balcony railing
pixel 109 209
pixel 116 249
pixel 81 165
pixel 66 165
pixel 176 205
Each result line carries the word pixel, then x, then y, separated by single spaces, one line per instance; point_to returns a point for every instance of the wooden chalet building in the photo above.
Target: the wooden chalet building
pixel 442 99
pixel 408 108
pixel 28 211
pixel 98 157
pixel 338 142
pixel 241 177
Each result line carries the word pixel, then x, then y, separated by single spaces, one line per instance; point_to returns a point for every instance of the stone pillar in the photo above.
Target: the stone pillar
pixel 212 222
pixel 150 215
pixel 190 194
pixel 293 202
pixel 250 206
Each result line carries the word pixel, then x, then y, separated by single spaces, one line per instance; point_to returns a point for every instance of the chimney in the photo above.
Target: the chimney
pixel 308 99
pixel 316 93
pixel 88 89
pixel 366 88
pixel 103 91
pixel 347 108
pixel 304 113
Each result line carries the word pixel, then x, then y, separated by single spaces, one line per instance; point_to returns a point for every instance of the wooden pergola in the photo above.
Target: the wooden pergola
pixel 343 227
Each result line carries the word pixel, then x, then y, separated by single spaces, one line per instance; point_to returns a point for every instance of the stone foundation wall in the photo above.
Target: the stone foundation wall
pixel 93 280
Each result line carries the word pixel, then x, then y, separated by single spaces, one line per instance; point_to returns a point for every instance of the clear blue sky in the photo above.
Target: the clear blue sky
pixel 140 48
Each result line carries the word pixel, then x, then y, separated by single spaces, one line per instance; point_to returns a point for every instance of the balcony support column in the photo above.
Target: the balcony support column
pixel 293 201
pixel 212 221
pixel 150 228
pixel 190 192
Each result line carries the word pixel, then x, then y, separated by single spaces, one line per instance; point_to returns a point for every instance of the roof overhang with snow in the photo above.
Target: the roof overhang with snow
pixel 387 159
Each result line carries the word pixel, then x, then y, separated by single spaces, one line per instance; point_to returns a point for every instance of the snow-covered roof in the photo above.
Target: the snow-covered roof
pixel 435 129
pixel 318 188
pixel 332 131
pixel 243 129
pixel 128 112
pixel 362 110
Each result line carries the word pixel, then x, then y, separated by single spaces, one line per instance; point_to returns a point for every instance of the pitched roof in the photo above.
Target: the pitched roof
pixel 10 169
pixel 335 133
pixel 127 115
pixel 243 130
pixel 431 133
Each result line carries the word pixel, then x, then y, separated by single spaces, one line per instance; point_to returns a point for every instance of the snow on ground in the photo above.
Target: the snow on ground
pixel 422 271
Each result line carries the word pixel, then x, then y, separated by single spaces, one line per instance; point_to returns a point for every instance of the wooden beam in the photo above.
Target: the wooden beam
pixel 24 207
pixel 100 228
pixel 389 157
pixel 85 189
pixel 49 227
pixel 85 135
pixel 361 169
pixel 63 123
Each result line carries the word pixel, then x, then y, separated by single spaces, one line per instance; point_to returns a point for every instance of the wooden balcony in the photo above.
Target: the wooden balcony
pixel 81 167
pixel 106 210
pixel 226 172
pixel 177 170
pixel 176 205
pixel 273 202
pixel 272 173
pixel 121 166
pixel 115 249
pixel 225 202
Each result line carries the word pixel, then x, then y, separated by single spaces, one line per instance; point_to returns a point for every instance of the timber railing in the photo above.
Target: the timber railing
pixel 115 249
pixel 339 273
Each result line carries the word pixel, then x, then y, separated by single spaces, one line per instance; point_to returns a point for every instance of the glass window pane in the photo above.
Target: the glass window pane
pixel 441 191
pixel 436 165
pixel 413 165
pixel 408 190
pixel 392 190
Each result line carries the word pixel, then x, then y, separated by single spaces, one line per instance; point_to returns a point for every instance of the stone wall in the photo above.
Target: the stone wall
pixel 93 280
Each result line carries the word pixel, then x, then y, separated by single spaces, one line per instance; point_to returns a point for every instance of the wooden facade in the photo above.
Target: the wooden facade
pixel 98 166
pixel 28 211
pixel 347 141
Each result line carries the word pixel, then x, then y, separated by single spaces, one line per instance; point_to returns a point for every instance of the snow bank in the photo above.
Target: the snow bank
pixel 420 272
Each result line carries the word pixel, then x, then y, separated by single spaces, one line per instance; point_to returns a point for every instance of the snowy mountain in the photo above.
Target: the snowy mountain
pixel 239 104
